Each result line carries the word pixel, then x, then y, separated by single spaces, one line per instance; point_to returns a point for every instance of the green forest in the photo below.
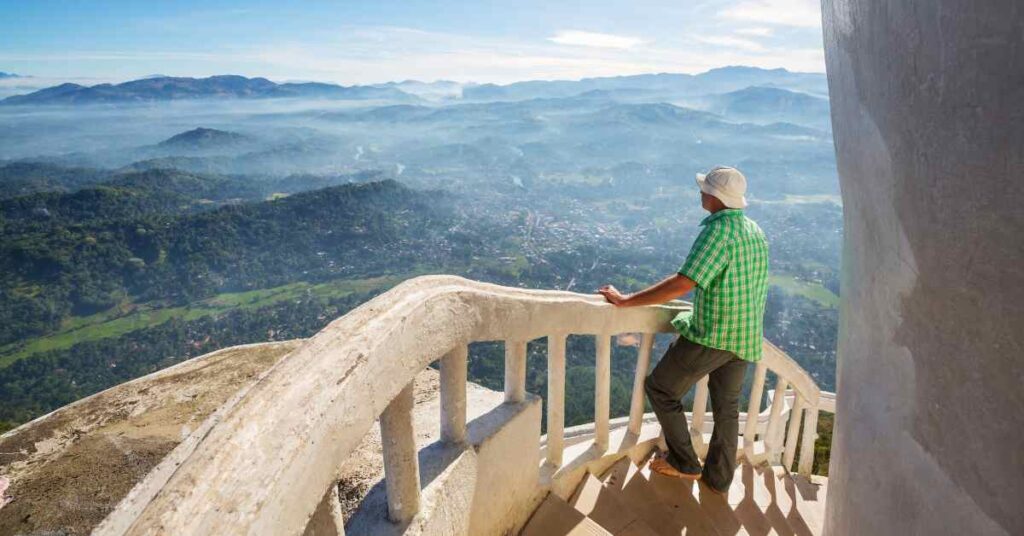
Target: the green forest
pixel 146 223
pixel 136 271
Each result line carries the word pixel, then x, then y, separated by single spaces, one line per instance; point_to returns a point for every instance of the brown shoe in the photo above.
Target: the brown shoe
pixel 662 467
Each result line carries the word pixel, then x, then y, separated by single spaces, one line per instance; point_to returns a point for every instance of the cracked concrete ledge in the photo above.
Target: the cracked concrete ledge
pixel 70 468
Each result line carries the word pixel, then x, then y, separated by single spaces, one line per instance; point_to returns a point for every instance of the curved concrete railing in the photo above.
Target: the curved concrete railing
pixel 265 465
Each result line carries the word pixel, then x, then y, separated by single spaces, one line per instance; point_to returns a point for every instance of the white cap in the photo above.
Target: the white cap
pixel 725 183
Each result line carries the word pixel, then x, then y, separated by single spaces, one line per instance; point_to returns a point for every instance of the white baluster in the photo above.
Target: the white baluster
pixel 636 404
pixel 771 436
pixel 793 431
pixel 401 467
pixel 602 387
pixel 807 442
pixel 700 408
pixel 753 409
pixel 453 395
pixel 515 371
pixel 556 398
pixel 780 430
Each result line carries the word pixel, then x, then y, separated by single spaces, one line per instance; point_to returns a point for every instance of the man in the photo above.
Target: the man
pixel 728 266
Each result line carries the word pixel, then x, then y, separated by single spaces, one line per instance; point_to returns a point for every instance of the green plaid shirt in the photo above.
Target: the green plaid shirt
pixel 729 263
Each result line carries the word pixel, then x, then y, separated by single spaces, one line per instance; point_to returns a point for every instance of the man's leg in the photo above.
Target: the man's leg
pixel 680 368
pixel 724 385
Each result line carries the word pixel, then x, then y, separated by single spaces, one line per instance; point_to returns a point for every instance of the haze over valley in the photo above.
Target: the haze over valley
pixel 149 221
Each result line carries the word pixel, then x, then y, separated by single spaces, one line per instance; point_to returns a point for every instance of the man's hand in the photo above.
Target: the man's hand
pixel 612 294
pixel 669 289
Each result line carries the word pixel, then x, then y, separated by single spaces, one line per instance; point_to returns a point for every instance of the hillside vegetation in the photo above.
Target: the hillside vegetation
pixel 148 222
pixel 99 247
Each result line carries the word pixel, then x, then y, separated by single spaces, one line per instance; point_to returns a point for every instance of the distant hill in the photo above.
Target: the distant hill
pixel 488 141
pixel 194 188
pixel 8 75
pixel 738 77
pixel 220 87
pixel 123 197
pixel 770 104
pixel 660 114
pixel 89 250
pixel 204 138
pixel 667 85
pixel 24 178
pixel 439 90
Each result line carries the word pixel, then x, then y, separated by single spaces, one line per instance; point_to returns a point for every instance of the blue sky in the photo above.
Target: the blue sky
pixel 353 42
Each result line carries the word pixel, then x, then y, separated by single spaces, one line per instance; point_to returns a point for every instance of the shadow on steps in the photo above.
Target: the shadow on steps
pixel 628 500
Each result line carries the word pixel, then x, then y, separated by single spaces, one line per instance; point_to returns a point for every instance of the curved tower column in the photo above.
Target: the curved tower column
pixel 928 113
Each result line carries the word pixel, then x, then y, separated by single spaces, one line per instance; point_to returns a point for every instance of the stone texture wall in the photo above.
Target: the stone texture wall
pixel 928 114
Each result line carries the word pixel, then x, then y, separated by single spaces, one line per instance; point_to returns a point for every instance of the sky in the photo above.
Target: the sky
pixel 372 41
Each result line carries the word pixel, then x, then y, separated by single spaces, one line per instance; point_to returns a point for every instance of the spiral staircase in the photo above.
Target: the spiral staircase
pixel 267 461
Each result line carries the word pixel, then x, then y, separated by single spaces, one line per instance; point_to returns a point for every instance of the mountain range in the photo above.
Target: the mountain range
pixel 136 235
pixel 763 104
pixel 663 87
pixel 203 139
pixel 164 88
pixel 718 80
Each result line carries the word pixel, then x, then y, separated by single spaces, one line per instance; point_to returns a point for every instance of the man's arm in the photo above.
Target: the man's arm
pixel 668 289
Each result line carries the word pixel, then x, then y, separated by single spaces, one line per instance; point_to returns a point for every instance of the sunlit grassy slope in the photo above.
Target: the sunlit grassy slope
pixel 118 322
pixel 809 290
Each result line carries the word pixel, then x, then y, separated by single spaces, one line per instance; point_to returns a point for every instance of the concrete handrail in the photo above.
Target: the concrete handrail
pixel 264 467
pixel 827 402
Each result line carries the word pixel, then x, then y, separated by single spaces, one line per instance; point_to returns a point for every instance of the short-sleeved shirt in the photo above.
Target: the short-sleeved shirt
pixel 729 263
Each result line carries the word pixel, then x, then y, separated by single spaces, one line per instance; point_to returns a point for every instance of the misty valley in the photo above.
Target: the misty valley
pixel 148 222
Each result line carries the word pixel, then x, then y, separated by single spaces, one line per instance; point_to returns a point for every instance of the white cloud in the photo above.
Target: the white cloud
pixel 756 31
pixel 798 13
pixel 367 54
pixel 373 54
pixel 394 54
pixel 593 39
pixel 729 41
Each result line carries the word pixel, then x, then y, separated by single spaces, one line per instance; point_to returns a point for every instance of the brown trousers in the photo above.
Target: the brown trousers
pixel 682 366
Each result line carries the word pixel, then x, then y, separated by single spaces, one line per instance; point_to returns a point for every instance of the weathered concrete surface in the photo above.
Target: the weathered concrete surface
pixel 70 468
pixel 507 489
pixel 928 115
pixel 328 393
pixel 485 485
pixel 363 496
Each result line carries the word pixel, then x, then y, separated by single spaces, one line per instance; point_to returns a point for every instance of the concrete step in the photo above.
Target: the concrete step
pixel 682 499
pixel 606 507
pixel 628 500
pixel 762 500
pixel 638 494
pixel 801 502
pixel 619 473
pixel 555 517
